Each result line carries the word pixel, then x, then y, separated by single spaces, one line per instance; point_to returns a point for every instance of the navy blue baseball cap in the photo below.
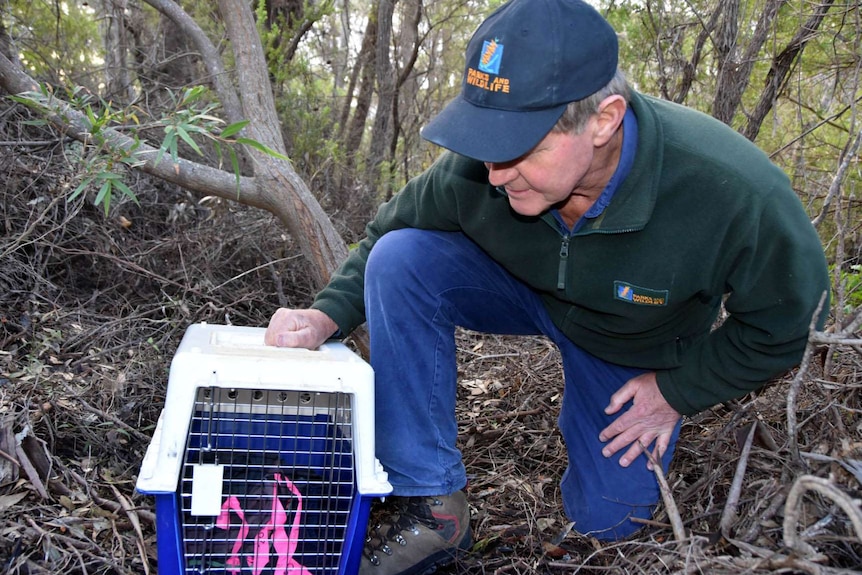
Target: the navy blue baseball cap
pixel 525 63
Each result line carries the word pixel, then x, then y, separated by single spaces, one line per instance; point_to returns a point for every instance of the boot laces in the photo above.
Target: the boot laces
pixel 402 514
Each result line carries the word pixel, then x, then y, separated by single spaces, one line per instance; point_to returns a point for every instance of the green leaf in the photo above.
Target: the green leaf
pixel 159 154
pixel 166 144
pixel 81 187
pixel 107 204
pixel 195 129
pixel 188 140
pixel 104 192
pixel 127 191
pixel 234 128
pixel 22 99
pixel 217 147
pixel 192 94
pixel 260 147
pixel 234 161
pixel 174 155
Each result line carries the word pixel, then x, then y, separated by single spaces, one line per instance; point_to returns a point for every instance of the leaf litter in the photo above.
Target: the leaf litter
pixel 91 311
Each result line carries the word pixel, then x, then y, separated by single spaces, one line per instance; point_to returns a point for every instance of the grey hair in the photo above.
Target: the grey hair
pixel 574 119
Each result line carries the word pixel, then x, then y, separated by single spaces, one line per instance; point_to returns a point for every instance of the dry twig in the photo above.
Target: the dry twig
pixel 728 516
pixel 793 507
pixel 796 384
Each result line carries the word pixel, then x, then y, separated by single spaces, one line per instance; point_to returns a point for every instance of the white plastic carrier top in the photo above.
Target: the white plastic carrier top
pixel 237 358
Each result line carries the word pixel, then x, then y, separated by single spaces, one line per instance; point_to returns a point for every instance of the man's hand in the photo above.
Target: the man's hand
pixel 650 418
pixel 307 328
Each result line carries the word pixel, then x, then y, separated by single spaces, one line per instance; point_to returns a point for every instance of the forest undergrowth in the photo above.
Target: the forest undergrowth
pixel 93 307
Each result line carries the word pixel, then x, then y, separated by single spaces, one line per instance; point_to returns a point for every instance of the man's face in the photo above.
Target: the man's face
pixel 557 172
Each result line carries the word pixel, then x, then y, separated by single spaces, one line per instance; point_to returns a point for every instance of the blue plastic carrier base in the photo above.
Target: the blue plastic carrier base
pixel 262 460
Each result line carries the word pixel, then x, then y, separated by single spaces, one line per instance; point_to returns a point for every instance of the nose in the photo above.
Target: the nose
pixel 500 174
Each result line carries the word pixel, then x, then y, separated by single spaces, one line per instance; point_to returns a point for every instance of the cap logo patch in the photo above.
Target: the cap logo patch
pixel 489 63
pixel 639 295
pixel 492 54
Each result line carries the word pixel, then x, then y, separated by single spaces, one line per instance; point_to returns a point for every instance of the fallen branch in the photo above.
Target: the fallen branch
pixel 728 516
pixel 143 438
pixel 794 505
pixel 112 506
pixel 667 497
pixel 132 514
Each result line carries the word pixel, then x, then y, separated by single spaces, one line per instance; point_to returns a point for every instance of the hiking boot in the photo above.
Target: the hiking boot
pixel 416 535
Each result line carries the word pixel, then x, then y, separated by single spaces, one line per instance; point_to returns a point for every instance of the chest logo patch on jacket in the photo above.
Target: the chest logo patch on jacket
pixel 639 295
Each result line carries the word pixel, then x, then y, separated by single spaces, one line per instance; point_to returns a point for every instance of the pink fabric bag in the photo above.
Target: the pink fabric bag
pixel 272 538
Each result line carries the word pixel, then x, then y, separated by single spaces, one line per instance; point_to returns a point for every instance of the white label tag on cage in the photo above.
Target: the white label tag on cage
pixel 207 489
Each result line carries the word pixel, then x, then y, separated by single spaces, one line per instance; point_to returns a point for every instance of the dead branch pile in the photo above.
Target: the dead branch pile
pixel 92 308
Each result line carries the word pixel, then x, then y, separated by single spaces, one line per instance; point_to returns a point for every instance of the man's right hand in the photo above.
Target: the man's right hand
pixel 307 328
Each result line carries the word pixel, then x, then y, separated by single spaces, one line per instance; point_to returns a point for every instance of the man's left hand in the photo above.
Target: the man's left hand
pixel 650 418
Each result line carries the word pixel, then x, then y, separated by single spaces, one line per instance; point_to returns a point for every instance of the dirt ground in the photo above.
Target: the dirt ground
pixel 93 307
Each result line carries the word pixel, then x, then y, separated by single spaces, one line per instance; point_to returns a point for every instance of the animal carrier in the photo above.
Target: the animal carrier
pixel 262 461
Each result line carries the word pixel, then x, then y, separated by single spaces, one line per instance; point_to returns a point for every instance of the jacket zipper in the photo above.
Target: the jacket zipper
pixel 564 258
pixel 567 237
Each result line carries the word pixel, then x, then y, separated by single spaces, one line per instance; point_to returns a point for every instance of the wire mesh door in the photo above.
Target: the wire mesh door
pixel 285 461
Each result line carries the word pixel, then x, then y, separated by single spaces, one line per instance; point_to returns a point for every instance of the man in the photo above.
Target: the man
pixel 571 207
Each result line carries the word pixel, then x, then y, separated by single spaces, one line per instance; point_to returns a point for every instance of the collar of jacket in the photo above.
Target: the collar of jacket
pixel 634 201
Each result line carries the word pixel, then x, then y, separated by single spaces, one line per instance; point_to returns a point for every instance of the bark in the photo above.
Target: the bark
pixel 689 68
pixel 409 43
pixel 365 63
pixel 386 91
pixel 782 64
pixel 728 62
pixel 279 188
pixel 734 69
pixel 118 84
pixel 360 70
pixel 340 56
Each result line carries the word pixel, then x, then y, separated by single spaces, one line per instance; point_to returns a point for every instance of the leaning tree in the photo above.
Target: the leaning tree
pixel 273 185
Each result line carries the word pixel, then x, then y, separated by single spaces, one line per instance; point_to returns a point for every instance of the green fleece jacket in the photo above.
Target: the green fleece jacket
pixel 702 214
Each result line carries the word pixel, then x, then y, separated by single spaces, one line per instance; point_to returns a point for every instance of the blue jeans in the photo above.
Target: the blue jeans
pixel 420 285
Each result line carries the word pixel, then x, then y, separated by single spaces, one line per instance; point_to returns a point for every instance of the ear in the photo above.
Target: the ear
pixel 608 119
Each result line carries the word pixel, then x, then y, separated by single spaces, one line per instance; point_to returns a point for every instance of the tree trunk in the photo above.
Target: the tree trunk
pixel 689 68
pixel 781 66
pixel 382 128
pixel 734 68
pixel 365 70
pixel 363 75
pixel 278 186
pixel 727 52
pixel 118 84
pixel 407 51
